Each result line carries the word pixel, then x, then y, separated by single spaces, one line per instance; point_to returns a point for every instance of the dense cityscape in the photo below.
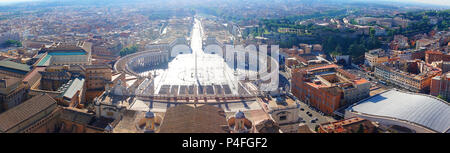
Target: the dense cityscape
pixel 135 66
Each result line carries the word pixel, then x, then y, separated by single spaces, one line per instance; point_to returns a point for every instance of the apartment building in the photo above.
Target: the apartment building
pixel 328 87
pixel 414 75
pixel 375 57
pixel 440 86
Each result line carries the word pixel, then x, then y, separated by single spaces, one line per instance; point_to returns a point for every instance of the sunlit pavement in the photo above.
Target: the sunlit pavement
pixel 321 118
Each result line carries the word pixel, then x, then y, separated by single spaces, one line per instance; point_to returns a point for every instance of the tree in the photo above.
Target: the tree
pixel 372 43
pixel 128 50
pixel 330 44
pixel 353 21
pixel 352 49
pixel 372 32
pixel 442 97
pixel 338 49
pixel 10 43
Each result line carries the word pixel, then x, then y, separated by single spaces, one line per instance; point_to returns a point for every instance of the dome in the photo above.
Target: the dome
pixel 239 115
pixel 149 114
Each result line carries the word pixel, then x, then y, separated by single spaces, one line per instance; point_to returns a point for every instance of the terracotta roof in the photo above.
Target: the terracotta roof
pixel 24 111
pixel 268 126
pixel 82 116
pixel 347 74
pixel 34 72
pixel 324 67
pixel 433 52
pixel 187 119
pixel 342 126
pixel 76 115
pixel 360 81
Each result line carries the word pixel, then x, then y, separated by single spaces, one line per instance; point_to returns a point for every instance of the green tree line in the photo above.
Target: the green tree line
pixel 128 50
pixel 11 43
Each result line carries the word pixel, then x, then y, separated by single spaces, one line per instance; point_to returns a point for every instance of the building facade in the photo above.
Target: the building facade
pixel 97 78
pixel 328 87
pixel 440 86
pixel 375 57
pixel 12 92
pixel 62 53
pixel 432 56
pixel 413 75
pixel 285 112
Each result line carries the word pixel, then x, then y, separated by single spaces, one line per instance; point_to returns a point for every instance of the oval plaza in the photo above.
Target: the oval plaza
pixel 183 73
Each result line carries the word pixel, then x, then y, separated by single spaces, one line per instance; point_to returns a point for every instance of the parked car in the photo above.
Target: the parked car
pixel 302 109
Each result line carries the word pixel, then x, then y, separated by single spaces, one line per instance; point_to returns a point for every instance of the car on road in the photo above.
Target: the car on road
pixel 313 121
pixel 301 120
pixel 302 109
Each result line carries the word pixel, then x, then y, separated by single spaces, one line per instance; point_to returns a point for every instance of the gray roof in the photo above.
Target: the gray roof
pixel 76 85
pixel 420 109
pixel 14 65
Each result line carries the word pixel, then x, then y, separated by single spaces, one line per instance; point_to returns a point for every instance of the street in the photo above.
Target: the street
pixel 307 119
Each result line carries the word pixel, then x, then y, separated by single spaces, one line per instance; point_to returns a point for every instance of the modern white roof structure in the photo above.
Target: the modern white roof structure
pixel 424 110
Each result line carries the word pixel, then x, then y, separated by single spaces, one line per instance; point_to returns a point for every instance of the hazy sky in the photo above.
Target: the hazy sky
pixel 9 1
pixel 438 2
pixel 14 0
